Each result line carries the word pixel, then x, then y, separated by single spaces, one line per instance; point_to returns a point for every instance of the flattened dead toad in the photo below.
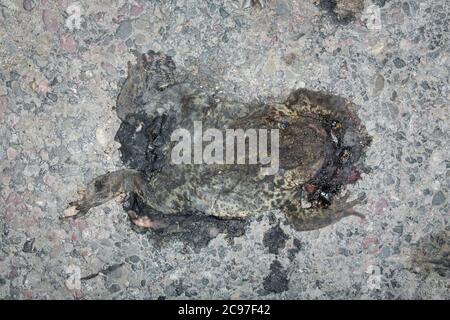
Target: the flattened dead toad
pixel 320 142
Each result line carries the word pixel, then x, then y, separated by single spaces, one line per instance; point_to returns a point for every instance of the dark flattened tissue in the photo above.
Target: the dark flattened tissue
pixel 275 239
pixel 277 281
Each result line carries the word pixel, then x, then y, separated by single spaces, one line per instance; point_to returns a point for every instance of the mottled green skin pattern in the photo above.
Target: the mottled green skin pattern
pixel 227 191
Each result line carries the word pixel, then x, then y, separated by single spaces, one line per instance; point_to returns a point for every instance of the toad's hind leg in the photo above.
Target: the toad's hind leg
pixel 316 218
pixel 106 187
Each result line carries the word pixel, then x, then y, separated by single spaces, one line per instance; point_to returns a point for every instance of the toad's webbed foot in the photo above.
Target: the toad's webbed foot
pixel 346 208
pixel 314 218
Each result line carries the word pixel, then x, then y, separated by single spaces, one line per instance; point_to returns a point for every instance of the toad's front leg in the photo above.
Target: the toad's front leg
pixel 105 188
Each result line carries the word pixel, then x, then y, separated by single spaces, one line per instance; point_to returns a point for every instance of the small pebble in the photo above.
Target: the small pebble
pixel 438 199
pixel 282 9
pixel 388 179
pixel 136 10
pixel 379 84
pixel 86 75
pixel 223 13
pixel 124 30
pixel 399 63
pixel 53 97
pixel 398 229
pixel 68 43
pixel 11 153
pixel 134 259
pixel 114 288
pixel 50 20
pixel 129 43
pixel 29 4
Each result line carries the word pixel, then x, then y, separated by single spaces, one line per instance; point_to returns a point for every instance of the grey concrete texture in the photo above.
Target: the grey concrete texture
pixel 61 67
